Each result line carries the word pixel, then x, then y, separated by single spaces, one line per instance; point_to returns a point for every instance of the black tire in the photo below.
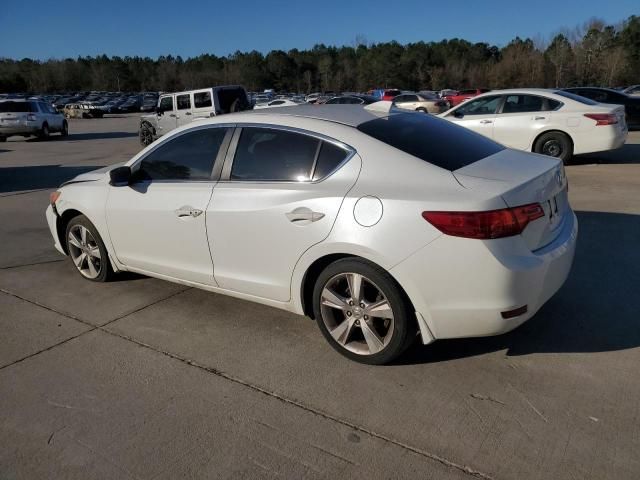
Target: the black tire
pixel 145 134
pixel 422 109
pixel 65 129
pixel 105 272
pixel 44 132
pixel 403 331
pixel 554 144
pixel 3 139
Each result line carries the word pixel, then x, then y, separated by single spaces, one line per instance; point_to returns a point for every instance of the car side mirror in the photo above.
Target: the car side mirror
pixel 458 114
pixel 120 177
pixel 158 110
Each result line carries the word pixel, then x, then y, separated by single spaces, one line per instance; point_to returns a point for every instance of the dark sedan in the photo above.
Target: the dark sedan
pixel 614 97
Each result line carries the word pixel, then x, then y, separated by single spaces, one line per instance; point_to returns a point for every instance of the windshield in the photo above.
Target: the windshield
pixel 431 139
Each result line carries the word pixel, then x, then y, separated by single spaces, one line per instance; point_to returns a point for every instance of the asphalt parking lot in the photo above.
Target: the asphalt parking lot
pixel 140 378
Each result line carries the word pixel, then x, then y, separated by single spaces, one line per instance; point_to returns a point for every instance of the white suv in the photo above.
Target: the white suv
pixel 177 109
pixel 30 118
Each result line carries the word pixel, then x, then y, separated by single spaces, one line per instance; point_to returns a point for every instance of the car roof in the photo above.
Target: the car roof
pixel 351 115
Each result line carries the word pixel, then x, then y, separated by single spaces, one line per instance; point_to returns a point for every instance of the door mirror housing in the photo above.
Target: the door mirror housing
pixel 120 177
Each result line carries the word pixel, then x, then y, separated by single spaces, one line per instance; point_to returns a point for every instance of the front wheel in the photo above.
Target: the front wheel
pixel 146 134
pixel 362 312
pixel 87 251
pixel 65 129
pixel 554 144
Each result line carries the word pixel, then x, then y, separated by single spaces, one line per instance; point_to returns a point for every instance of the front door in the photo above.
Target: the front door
pixel 158 223
pixel 280 196
pixel 477 114
pixel 167 119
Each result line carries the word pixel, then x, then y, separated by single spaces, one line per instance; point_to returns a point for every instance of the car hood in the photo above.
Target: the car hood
pixel 93 175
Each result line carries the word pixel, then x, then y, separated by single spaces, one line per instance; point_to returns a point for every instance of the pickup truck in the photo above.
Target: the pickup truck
pixel 177 109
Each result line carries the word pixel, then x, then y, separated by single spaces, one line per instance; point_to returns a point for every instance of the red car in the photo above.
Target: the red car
pixel 390 94
pixel 463 95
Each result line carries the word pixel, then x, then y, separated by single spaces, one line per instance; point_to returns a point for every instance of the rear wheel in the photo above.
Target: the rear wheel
pixel 65 129
pixel 3 139
pixel 554 144
pixel 362 312
pixel 44 132
pixel 87 251
pixel 422 109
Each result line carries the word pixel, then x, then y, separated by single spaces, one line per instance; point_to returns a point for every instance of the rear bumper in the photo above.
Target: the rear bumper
pixel 609 138
pixel 6 131
pixel 461 286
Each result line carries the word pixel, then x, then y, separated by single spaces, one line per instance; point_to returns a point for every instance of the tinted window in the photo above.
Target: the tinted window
pixel 431 139
pixel 575 97
pixel 277 102
pixel 329 158
pixel 277 155
pixel 481 106
pixel 553 104
pixel 183 102
pixel 187 157
pixel 17 107
pixel 166 104
pixel 202 100
pixel 522 104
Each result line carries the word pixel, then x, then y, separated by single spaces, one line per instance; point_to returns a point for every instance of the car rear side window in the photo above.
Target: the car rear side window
pixel 329 158
pixel 183 102
pixel 202 100
pixel 18 107
pixel 265 154
pixel 187 157
pixel 431 139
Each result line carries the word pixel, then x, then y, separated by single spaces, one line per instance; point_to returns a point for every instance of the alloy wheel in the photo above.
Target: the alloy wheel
pixel 84 251
pixel 356 313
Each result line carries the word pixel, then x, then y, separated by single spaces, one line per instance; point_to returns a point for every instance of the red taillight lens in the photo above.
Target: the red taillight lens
pixel 602 118
pixel 485 225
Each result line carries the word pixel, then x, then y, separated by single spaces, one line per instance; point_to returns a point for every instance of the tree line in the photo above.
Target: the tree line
pixel 592 54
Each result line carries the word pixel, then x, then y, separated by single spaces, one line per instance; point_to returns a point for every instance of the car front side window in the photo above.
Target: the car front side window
pixel 480 106
pixel 189 156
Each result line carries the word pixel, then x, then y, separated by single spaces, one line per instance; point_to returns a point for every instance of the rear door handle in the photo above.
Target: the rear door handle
pixel 303 216
pixel 188 211
pixel 187 113
pixel 486 121
pixel 173 115
pixel 539 118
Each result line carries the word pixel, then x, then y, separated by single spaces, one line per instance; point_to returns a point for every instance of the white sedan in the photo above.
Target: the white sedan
pixel 552 122
pixel 378 223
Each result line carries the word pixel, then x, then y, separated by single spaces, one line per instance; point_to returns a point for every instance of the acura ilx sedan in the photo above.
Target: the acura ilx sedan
pixel 380 224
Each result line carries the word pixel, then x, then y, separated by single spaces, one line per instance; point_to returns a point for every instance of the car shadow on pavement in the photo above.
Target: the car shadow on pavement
pixel 16 179
pixel 73 137
pixel 597 310
pixel 628 153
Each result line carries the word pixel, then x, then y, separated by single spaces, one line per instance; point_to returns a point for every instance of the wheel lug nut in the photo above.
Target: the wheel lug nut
pixel 362 305
pixel 351 302
pixel 366 317
pixel 348 313
pixel 358 322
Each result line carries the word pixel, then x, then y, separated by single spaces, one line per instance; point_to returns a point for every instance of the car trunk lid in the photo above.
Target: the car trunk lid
pixel 522 178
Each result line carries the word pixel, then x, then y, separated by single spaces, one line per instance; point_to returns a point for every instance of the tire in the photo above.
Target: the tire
pixel 343 324
pixel 554 144
pixel 3 139
pixel 422 109
pixel 87 251
pixel 145 134
pixel 65 129
pixel 44 132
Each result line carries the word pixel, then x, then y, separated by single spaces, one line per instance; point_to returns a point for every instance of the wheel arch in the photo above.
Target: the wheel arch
pixel 552 130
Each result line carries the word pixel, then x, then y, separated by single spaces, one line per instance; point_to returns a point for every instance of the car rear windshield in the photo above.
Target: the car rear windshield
pixel 577 98
pixel 17 107
pixel 431 139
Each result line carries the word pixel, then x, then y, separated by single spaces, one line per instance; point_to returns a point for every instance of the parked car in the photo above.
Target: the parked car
pixel 378 223
pixel 390 94
pixel 351 99
pixel 420 103
pixel 633 90
pixel 177 109
pixel 82 110
pixel 28 118
pixel 552 122
pixel 606 95
pixel 456 98
pixel 278 102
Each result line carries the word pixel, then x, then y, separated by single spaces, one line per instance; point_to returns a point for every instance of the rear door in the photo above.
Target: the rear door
pixel 279 196
pixel 477 114
pixel 184 115
pixel 520 119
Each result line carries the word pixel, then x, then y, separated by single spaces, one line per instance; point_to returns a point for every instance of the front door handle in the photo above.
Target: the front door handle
pixel 188 211
pixel 173 115
pixel 188 113
pixel 303 216
pixel 539 118
pixel 486 121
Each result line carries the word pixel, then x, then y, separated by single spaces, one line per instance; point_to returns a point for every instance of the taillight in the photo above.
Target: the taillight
pixel 603 118
pixel 485 225
pixel 31 117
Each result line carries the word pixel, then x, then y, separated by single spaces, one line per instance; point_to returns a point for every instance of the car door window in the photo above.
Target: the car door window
pixel 481 106
pixel 183 102
pixel 202 99
pixel 329 158
pixel 522 104
pixel 266 154
pixel 187 157
pixel 166 104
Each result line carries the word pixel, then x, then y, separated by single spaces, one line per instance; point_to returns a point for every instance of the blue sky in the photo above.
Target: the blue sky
pixel 44 29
